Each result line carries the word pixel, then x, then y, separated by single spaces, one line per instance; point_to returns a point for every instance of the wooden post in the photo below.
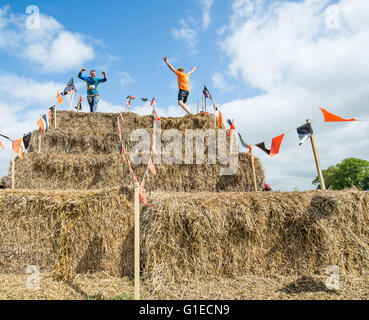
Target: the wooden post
pixel 119 129
pixel 253 171
pixel 71 100
pixel 203 104
pixel 55 116
pixel 215 115
pixel 198 104
pixel 137 242
pixel 317 161
pixel 13 170
pixel 39 143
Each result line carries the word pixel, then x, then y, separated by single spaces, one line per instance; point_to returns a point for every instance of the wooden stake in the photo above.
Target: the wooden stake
pixel 55 116
pixel 137 242
pixel 71 100
pixel 215 115
pixel 203 108
pixel 39 143
pixel 253 171
pixel 13 170
pixel 198 105
pixel 317 161
pixel 119 129
pixel 205 105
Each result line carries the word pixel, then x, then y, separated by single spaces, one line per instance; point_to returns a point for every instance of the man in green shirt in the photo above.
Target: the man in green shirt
pixel 92 88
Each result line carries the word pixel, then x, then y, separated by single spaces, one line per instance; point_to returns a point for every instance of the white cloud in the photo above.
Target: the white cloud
pixel 221 83
pixel 125 79
pixel 186 33
pixel 50 48
pixel 286 50
pixel 22 100
pixel 206 19
pixel 27 91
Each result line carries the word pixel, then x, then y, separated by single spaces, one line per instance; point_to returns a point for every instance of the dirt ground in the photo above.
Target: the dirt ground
pixel 103 287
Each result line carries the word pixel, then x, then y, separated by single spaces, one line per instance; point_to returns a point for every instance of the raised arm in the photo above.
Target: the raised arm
pixel 80 74
pixel 169 65
pixel 192 71
pixel 105 78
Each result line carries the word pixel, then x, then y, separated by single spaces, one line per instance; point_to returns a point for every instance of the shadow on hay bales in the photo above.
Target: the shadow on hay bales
pixel 91 260
pixel 303 238
pixel 306 284
pixel 126 266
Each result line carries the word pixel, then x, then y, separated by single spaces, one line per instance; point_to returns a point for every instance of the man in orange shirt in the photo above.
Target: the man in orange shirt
pixel 184 85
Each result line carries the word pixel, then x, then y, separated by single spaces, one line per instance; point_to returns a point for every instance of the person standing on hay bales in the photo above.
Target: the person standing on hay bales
pixel 184 85
pixel 92 87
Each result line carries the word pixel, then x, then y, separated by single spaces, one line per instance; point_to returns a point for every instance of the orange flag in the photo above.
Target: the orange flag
pixel 276 145
pixel 250 148
pixel 1 145
pixel 231 130
pixel 330 117
pixel 50 119
pixel 59 98
pixel 152 167
pixel 220 119
pixel 16 145
pixel 40 124
pixel 142 193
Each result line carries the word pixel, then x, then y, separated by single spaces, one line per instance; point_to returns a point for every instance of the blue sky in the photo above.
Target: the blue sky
pixel 133 37
pixel 269 64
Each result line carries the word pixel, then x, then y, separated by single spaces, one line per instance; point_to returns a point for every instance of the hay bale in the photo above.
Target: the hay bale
pixel 66 232
pixel 188 237
pixel 92 123
pixel 61 142
pixel 95 133
pixel 185 236
pixel 93 172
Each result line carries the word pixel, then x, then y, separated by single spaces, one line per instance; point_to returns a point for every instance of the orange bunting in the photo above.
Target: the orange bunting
pixel 142 193
pixel 123 154
pixel 250 148
pixel 17 147
pixel 59 98
pixel 1 145
pixel 220 120
pixel 156 117
pixel 40 124
pixel 50 119
pixel 330 117
pixel 276 145
pixel 231 130
pixel 152 167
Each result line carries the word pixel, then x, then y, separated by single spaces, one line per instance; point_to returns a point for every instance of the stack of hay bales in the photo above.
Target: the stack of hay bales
pixel 83 153
pixel 191 235
pixel 185 236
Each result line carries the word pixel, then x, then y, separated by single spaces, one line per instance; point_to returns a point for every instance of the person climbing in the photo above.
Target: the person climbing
pixel 267 187
pixel 183 84
pixel 92 87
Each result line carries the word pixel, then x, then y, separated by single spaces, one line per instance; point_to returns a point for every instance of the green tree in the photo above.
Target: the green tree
pixel 350 172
